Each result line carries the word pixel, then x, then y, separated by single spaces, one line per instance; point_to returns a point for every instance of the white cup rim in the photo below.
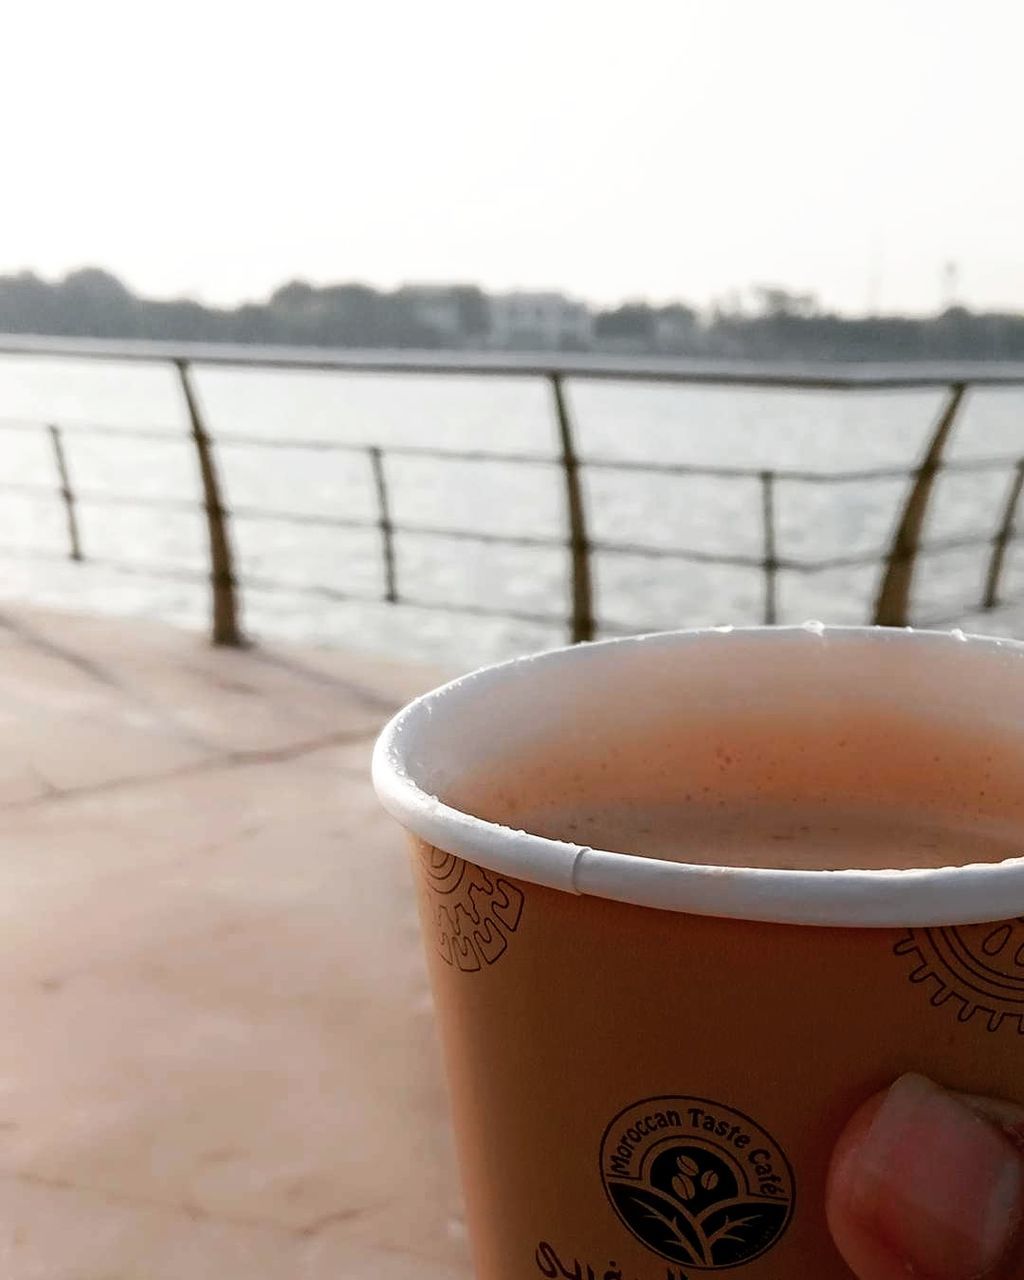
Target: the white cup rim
pixel 842 898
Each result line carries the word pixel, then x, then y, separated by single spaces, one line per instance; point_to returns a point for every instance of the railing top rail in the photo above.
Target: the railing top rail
pixel 834 375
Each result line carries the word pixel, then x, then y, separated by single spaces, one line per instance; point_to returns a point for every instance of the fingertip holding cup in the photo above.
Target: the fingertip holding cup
pixel 923 1184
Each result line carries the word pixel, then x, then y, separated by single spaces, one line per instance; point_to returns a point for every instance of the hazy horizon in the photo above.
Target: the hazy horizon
pixel 745 297
pixel 688 153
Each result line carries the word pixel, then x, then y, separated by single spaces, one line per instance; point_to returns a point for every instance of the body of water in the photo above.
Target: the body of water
pixel 812 430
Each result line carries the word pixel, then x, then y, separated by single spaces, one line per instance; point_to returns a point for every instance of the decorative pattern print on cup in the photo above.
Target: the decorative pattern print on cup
pixel 474 911
pixel 697 1182
pixel 978 969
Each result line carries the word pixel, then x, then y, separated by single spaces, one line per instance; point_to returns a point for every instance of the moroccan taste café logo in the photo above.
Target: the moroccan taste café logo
pixel 697 1182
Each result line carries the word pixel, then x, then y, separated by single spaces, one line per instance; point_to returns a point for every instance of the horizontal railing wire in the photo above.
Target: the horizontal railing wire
pixel 86 498
pixel 578 542
pixel 853 475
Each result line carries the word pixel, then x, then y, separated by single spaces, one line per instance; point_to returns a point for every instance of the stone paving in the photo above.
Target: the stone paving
pixel 217 1056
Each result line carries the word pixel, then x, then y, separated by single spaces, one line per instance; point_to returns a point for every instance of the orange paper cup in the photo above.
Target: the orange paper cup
pixel 650 1061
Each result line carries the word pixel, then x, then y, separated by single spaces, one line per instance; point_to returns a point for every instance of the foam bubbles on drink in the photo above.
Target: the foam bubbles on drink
pixel 786 837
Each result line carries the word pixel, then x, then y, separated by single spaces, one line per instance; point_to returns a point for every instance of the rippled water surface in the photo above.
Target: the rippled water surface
pixel 809 430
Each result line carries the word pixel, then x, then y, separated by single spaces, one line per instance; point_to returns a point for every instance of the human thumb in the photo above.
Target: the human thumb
pixel 930 1184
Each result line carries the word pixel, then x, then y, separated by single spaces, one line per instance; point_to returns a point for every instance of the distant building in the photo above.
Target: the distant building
pixel 676 329
pixel 435 306
pixel 545 321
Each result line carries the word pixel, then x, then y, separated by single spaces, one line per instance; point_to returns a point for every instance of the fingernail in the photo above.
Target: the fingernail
pixel 939 1186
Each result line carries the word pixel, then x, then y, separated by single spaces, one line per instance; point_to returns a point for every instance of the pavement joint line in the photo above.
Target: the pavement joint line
pixel 121 1199
pixel 212 764
pixel 368 697
pixel 35 639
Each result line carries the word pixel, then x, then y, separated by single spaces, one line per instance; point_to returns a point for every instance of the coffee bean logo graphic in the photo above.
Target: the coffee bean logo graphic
pixel 697 1182
pixel 976 970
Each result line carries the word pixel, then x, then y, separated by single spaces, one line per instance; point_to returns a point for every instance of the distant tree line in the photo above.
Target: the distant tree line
pixel 774 324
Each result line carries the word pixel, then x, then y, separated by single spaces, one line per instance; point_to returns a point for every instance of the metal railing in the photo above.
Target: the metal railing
pixel 897 565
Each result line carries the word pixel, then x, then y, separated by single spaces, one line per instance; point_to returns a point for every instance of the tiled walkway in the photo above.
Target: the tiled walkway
pixel 216 1049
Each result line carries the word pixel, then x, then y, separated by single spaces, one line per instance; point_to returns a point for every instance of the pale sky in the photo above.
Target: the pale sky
pixel 667 148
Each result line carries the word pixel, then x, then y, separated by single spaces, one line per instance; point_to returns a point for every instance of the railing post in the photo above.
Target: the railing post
pixel 892 604
pixel 225 628
pixel 66 493
pixel 1002 538
pixel 387 529
pixel 771 563
pixel 581 621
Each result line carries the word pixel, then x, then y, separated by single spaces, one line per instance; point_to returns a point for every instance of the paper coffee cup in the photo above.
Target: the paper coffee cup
pixel 650 1061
